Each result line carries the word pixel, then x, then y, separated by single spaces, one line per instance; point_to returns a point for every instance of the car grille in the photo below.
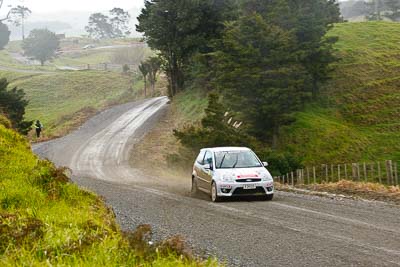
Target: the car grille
pixel 249 180
pixel 241 191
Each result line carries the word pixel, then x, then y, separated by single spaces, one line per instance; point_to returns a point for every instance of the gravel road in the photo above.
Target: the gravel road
pixel 292 230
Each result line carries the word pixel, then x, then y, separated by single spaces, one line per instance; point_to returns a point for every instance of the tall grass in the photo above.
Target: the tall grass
pixel 46 220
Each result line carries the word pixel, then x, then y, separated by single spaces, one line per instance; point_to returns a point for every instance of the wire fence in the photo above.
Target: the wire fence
pixel 376 172
pixel 102 67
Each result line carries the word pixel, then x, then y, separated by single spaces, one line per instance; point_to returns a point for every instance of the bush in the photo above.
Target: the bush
pixel 5 122
pixel 13 104
pixel 218 128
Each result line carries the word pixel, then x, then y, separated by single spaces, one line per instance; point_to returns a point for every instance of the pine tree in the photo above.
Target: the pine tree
pixel 179 29
pixel 216 129
pixel 309 20
pixel 13 104
pixel 4 35
pixel 259 75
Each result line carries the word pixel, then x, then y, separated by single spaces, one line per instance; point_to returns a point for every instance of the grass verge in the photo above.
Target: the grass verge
pixel 46 220
pixel 370 191
pixel 153 151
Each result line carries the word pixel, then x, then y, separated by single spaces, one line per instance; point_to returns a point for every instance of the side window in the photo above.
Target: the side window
pixel 200 158
pixel 208 158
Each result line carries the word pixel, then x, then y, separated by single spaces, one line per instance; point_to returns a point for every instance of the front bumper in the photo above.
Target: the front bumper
pixel 231 189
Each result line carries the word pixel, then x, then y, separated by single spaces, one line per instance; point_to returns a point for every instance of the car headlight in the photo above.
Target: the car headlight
pixel 266 178
pixel 228 177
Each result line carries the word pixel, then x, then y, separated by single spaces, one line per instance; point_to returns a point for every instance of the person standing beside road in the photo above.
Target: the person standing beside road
pixel 38 127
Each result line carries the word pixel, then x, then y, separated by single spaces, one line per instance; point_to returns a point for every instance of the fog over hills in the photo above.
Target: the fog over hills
pixel 72 23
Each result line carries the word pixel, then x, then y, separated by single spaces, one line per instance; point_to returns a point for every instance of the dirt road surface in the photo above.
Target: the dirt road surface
pixel 292 230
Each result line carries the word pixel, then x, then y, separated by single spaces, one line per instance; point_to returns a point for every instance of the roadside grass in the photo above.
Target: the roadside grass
pixel 62 101
pixel 364 190
pixel 46 220
pixel 153 152
pixel 357 117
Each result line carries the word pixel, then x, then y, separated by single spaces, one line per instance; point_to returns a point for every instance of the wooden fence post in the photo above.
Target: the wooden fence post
pixel 389 172
pixel 345 171
pixel 372 172
pixel 308 176
pixel 338 171
pixel 332 173
pixel 292 179
pixel 365 172
pixel 314 175
pixel 379 172
pixel 358 172
pixel 326 173
pixel 395 174
pixel 354 171
pixel 301 177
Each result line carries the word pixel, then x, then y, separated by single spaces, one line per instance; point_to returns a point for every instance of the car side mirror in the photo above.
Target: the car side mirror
pixel 207 166
pixel 265 164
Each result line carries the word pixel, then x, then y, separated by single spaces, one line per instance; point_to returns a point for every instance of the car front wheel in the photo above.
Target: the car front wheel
pixel 214 194
pixel 268 197
pixel 195 189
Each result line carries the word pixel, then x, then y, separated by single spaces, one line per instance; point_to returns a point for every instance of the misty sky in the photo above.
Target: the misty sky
pixel 47 6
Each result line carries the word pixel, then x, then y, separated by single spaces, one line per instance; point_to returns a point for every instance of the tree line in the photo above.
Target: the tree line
pixel 16 16
pixel 263 60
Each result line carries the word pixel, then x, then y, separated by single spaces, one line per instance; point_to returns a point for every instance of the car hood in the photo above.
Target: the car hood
pixel 259 172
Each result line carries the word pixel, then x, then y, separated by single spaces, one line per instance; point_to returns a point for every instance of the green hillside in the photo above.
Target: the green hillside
pixel 63 100
pixel 47 221
pixel 358 115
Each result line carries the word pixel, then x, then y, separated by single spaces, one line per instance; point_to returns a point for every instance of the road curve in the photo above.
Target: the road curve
pixel 292 230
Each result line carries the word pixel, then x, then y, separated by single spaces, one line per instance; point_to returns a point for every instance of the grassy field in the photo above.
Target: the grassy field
pixel 63 100
pixel 45 220
pixel 84 57
pixel 75 56
pixel 358 117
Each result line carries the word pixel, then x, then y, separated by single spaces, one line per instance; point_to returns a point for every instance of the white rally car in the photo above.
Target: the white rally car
pixel 231 171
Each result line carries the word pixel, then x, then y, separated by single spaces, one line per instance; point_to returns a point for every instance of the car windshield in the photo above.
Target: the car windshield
pixel 236 159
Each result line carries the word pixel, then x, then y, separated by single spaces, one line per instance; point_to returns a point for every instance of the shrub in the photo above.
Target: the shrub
pixel 5 122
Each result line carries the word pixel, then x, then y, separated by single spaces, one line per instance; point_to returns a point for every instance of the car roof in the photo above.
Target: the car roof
pixel 226 149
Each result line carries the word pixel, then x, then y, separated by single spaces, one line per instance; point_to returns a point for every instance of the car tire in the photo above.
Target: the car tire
pixel 195 188
pixel 214 195
pixel 268 197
